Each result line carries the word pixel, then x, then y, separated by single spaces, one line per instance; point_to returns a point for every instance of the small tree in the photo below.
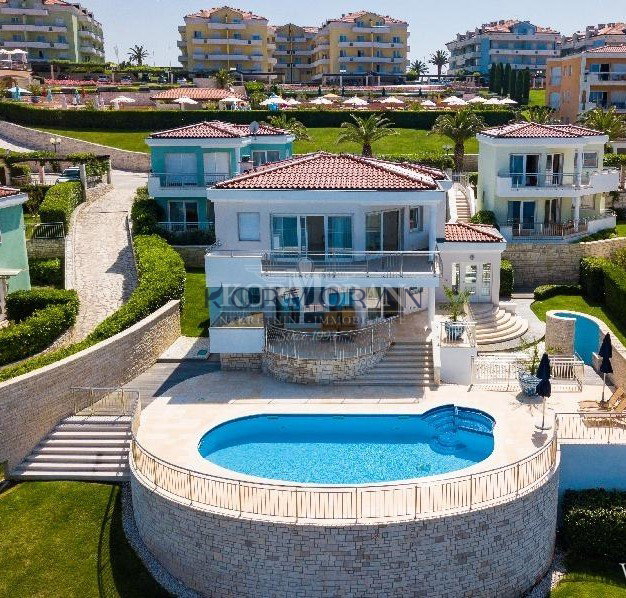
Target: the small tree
pixel 459 126
pixel 456 302
pixel 608 121
pixel 507 80
pixel 137 54
pixel 365 131
pixel 282 121
pixel 419 67
pixel 492 76
pixel 543 115
pixel 439 59
pixel 500 86
pixel 224 78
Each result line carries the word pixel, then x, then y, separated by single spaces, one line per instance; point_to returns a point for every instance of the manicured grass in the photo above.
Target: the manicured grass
pixel 537 97
pixel 65 540
pixel 579 303
pixel 609 233
pixel 591 579
pixel 407 141
pixel 194 320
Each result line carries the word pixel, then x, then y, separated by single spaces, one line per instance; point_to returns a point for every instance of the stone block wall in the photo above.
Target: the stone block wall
pixel 45 248
pixel 32 404
pixel 499 551
pixel 193 255
pixel 40 140
pixel 560 334
pixel 237 362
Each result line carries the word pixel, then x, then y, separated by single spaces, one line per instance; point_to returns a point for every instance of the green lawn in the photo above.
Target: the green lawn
pixel 609 233
pixel 194 320
pixel 579 303
pixel 591 579
pixel 65 539
pixel 407 141
pixel 537 97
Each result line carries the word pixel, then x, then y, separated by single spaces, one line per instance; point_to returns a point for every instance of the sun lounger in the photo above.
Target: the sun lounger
pixel 616 397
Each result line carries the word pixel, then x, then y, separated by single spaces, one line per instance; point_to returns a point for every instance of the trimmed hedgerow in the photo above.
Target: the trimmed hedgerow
pixel 23 304
pixel 46 272
pixel 60 201
pixel 594 523
pixel 615 290
pixel 36 195
pixel 592 278
pixel 145 214
pixel 545 291
pixel 507 278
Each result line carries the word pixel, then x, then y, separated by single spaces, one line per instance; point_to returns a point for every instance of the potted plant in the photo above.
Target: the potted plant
pixel 527 373
pixel 456 309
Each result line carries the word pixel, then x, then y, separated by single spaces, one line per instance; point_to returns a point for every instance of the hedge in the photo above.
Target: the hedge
pixel 60 201
pixel 615 290
pixel 485 217
pixel 155 120
pixel 434 159
pixel 594 523
pixel 592 278
pixel 46 272
pixel 507 278
pixel 36 195
pixel 39 320
pixel 552 290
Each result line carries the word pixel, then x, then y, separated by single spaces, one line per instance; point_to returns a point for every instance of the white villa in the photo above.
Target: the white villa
pixel 545 181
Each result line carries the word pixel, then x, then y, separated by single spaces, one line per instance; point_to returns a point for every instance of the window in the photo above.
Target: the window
pixel 249 226
pixel 373 228
pixel 590 160
pixel 485 289
pixel 183 215
pixel 285 232
pixel 416 219
pixel 343 38
pixel 263 157
pixel 339 232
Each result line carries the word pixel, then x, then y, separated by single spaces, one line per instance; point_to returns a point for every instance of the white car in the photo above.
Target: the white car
pixel 69 175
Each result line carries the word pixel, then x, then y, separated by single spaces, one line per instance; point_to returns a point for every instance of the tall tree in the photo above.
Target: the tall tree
pixel 507 80
pixel 419 67
pixel 512 84
pixel 527 84
pixel 610 122
pixel 500 87
pixel 492 76
pixel 440 59
pixel 519 87
pixel 365 131
pixel 459 126
pixel 137 54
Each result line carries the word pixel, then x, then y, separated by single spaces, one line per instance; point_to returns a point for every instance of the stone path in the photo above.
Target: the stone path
pixel 103 269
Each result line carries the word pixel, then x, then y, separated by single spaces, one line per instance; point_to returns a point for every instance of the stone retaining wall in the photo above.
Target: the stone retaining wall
pixel 499 551
pixel 193 255
pixel 554 263
pixel 40 140
pixel 32 404
pixel 560 334
pixel 237 362
pixel 45 248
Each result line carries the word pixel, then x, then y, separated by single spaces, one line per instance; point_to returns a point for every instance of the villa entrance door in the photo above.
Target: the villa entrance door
pixel 475 277
pixel 391 231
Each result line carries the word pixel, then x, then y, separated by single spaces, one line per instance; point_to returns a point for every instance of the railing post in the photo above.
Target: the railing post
pixel 190 483
pixel 517 479
pixel 471 491
pixel 239 495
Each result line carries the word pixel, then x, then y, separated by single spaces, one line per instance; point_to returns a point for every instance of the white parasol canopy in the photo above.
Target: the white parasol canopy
pixel 123 100
pixel 508 101
pixel 184 100
pixel 16 89
pixel 321 102
pixel 232 100
pixel 477 100
pixel 454 101
pixel 392 100
pixel 274 100
pixel 293 102
pixel 493 102
pixel 429 104
pixel 355 101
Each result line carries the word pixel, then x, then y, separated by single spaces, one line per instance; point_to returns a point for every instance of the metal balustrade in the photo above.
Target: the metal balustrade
pixel 45 230
pixel 184 227
pixel 457 334
pixel 172 180
pixel 547 179
pixel 593 427
pixel 548 229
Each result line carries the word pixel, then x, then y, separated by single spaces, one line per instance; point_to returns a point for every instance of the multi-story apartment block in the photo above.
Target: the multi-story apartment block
pixel 226 38
pixel 594 36
pixel 51 30
pixel 294 51
pixel 590 79
pixel 518 43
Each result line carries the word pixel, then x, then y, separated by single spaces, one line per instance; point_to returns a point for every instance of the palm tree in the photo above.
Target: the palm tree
pixel 459 126
pixel 137 54
pixel 224 78
pixel 365 131
pixel 543 115
pixel 419 67
pixel 291 124
pixel 608 121
pixel 439 59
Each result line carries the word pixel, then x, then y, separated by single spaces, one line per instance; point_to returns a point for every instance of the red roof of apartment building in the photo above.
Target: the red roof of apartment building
pixel 506 26
pixel 207 13
pixel 618 49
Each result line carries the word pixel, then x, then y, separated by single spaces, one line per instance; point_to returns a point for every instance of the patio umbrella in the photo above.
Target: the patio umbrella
pixel 355 101
pixel 544 389
pixel 454 101
pixel 605 352
pixel 507 101
pixel 122 100
pixel 320 102
pixel 20 90
pixel 429 104
pixel 293 102
pixel 392 100
pixel 492 102
pixel 185 101
pixel 477 100
pixel 274 101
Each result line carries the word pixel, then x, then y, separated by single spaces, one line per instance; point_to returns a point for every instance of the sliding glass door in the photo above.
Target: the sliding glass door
pixel 312 234
pixel 383 231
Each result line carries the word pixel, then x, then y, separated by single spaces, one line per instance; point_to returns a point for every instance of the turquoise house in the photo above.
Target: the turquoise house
pixel 187 160
pixel 14 275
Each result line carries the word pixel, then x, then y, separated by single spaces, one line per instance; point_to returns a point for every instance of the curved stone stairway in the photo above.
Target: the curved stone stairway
pixel 496 326
pixel 462 205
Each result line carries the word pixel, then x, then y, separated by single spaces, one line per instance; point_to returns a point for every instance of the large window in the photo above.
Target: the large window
pixel 590 160
pixel 315 234
pixel 183 215
pixel 249 226
pixel 181 168
pixel 285 232
pixel 416 219
pixel 339 232
pixel 263 157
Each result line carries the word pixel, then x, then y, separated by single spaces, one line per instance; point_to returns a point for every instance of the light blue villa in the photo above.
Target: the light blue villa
pixel 187 160
pixel 14 275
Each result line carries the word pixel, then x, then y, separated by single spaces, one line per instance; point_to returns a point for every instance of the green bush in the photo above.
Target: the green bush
pixel 507 278
pixel 145 214
pixel 189 237
pixel 607 233
pixel 546 291
pixel 592 278
pixel 46 272
pixel 60 202
pixel 36 195
pixel 485 217
pixel 615 290
pixel 434 159
pixel 619 258
pixel 473 179
pixel 19 169
pixel 614 160
pixel 594 523
pixel 23 304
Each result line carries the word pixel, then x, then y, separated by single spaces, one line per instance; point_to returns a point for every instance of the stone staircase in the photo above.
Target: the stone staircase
pixel 81 447
pixel 405 363
pixel 462 205
pixel 495 326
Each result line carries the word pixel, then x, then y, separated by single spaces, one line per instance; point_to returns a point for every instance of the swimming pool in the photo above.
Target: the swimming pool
pixel 586 335
pixel 351 449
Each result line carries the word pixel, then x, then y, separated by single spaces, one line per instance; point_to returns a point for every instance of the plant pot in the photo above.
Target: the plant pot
pixel 528 383
pixel 454 330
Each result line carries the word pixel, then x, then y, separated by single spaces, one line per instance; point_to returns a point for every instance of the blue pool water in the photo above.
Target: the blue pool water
pixel 586 336
pixel 351 449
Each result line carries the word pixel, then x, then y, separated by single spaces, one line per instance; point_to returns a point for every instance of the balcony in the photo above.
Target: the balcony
pixel 35 12
pixel 601 78
pixel 589 223
pixel 229 26
pixel 33 28
pixel 222 41
pixel 543 184
pixel 372 29
pixel 370 44
pixel 36 45
pixel 159 182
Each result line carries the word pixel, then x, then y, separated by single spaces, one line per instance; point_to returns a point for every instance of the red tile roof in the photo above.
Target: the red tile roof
pixel 526 130
pixel 205 94
pixel 619 49
pixel 351 17
pixel 613 29
pixel 463 232
pixel 208 13
pixel 322 170
pixel 8 191
pixel 215 129
pixel 507 25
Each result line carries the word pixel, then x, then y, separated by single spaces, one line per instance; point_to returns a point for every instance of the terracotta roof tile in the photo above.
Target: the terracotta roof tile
pixel 507 25
pixel 531 130
pixel 613 29
pixel 8 191
pixel 322 170
pixel 215 129
pixel 195 93
pixel 619 49
pixel 353 16
pixel 463 232
pixel 207 13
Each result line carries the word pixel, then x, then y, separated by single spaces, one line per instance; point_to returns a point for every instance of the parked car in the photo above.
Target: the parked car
pixel 126 80
pixel 103 79
pixel 181 80
pixel 69 175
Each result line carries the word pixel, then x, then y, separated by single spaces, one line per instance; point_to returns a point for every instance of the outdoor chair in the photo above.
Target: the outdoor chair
pixel 616 398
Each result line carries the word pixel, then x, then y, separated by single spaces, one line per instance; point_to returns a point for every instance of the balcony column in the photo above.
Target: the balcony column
pixel 576 212
pixel 431 307
pixel 237 160
pixel 432 228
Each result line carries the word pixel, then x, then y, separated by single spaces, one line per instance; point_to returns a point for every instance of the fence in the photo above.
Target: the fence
pixel 595 427
pixel 456 334
pixel 45 230
pixel 104 401
pixel 418 500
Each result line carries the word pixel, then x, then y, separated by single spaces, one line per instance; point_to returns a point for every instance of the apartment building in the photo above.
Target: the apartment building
pixel 589 79
pixel 518 43
pixel 294 51
pixel 51 30
pixel 594 36
pixel 226 38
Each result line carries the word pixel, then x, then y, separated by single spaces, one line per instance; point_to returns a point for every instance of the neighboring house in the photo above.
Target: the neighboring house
pixel 295 46
pixel 594 36
pixel 51 30
pixel 14 274
pixel 187 160
pixel 545 181
pixel 518 43
pixel 201 95
pixel 337 242
pixel 590 79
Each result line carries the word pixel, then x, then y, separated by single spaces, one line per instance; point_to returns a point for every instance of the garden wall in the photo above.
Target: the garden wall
pixel 193 255
pixel 45 248
pixel 32 404
pixel 554 263
pixel 40 140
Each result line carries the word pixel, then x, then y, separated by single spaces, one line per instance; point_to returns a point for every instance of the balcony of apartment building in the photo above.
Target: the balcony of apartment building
pixel 20 10
pixel 233 41
pixel 293 39
pixel 223 25
pixel 370 44
pixel 35 28
pixel 36 45
pixel 610 98
pixel 223 56
pixel 613 78
pixel 88 34
pixel 371 28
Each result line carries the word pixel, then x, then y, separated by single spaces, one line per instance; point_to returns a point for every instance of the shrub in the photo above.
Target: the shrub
pixel 19 170
pixel 145 214
pixel 607 233
pixel 473 179
pixel 22 304
pixel 592 278
pixel 485 217
pixel 60 202
pixel 546 291
pixel 434 159
pixel 189 237
pixel 614 160
pixel 46 272
pixel 507 278
pixel 615 290
pixel 619 258
pixel 594 523
pixel 36 195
